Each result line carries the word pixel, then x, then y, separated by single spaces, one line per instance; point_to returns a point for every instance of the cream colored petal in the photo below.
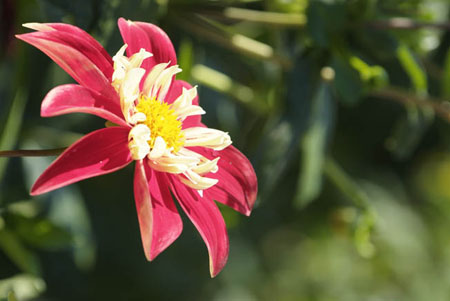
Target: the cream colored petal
pixel 158 149
pixel 174 163
pixel 137 58
pixel 162 83
pixel 169 168
pixel 206 167
pixel 120 53
pixel 129 92
pixel 210 138
pixel 189 111
pixel 137 117
pixel 196 181
pixel 152 77
pixel 38 26
pixel 138 136
pixel 183 106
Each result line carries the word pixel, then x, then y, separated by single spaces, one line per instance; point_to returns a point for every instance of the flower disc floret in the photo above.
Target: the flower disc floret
pixel 162 121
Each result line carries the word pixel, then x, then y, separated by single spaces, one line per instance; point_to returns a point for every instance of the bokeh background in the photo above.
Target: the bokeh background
pixel 342 107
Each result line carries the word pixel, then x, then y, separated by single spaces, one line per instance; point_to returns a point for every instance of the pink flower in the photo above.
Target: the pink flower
pixel 156 123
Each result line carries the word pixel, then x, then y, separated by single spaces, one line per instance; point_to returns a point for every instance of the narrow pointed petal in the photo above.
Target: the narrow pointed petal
pixel 159 221
pixel 175 90
pixel 78 39
pixel 97 153
pixel 209 222
pixel 73 98
pixel 237 186
pixel 74 62
pixel 144 210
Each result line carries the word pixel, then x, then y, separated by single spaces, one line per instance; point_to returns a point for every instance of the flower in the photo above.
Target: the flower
pixel 156 122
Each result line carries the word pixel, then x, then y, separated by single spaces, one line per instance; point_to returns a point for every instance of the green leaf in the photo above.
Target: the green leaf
pixel 373 76
pixel 12 296
pixel 408 131
pixel 11 129
pixel 414 70
pixel 313 146
pixel 69 212
pixel 445 84
pixel 185 59
pixel 42 233
pixel 325 21
pixel 347 81
pixel 16 251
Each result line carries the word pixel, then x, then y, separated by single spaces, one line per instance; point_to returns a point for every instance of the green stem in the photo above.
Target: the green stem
pixel 345 184
pixel 32 152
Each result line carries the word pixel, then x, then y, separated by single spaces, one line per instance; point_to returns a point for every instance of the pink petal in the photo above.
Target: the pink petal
pixel 75 63
pixel 237 186
pixel 209 222
pixel 159 221
pixel 80 40
pixel 73 98
pixel 97 153
pixel 157 41
pixel 173 93
pixel 87 42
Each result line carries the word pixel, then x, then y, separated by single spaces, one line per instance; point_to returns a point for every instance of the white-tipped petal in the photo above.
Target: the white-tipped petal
pixel 210 138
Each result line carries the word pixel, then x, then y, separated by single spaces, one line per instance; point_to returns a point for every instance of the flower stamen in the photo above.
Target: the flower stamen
pixel 162 122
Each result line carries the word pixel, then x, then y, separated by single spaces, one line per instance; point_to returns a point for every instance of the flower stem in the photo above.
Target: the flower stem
pixel 32 152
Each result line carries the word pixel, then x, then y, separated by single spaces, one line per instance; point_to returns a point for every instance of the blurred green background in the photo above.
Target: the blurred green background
pixel 342 107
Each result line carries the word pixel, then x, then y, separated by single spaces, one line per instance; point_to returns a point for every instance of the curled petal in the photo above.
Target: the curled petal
pixel 74 62
pixel 159 221
pixel 209 222
pixel 206 137
pixel 100 152
pixel 237 186
pixel 73 98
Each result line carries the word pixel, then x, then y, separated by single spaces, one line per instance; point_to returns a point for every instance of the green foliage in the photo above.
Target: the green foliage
pixel 342 107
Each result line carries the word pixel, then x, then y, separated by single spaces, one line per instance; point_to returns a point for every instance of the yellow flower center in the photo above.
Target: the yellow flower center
pixel 162 121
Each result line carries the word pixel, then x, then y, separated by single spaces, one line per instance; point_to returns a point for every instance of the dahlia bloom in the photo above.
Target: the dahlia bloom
pixel 154 120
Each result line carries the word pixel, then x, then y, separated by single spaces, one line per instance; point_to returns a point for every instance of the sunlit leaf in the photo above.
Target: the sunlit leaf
pixel 413 69
pixel 22 287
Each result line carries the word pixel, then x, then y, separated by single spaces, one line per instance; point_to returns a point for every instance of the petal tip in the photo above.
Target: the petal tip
pixel 37 26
